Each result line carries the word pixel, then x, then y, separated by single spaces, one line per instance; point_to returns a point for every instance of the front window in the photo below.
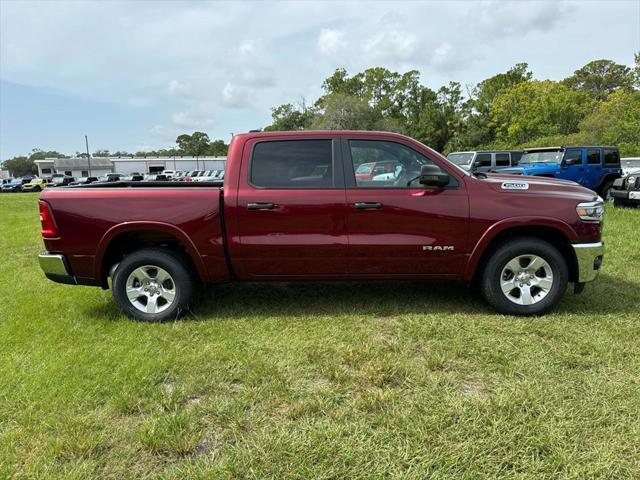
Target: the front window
pixel 611 157
pixel 399 165
pixel 462 158
pixel 542 157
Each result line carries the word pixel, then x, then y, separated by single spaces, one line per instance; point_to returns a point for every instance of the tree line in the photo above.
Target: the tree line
pixel 598 105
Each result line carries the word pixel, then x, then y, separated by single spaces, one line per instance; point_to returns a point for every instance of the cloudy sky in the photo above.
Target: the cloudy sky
pixel 133 75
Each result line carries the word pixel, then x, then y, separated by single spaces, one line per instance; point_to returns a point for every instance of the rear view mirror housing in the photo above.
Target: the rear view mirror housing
pixel 433 176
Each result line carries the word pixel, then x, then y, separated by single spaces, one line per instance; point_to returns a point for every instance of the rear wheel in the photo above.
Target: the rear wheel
pixel 153 285
pixel 526 276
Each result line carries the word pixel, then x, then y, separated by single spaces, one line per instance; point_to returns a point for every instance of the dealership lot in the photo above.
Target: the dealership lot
pixel 317 380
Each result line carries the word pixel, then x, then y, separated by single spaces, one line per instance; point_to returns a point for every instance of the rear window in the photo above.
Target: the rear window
pixel 292 164
pixel 611 157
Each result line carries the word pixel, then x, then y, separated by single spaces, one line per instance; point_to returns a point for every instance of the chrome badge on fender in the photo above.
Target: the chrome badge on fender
pixel 515 186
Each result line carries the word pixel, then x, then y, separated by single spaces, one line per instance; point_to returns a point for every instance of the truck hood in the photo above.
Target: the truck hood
pixel 530 169
pixel 514 185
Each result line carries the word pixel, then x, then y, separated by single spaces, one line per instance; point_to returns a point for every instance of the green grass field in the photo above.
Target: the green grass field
pixel 400 380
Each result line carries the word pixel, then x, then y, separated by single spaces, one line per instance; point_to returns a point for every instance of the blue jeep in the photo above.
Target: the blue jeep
pixel 592 167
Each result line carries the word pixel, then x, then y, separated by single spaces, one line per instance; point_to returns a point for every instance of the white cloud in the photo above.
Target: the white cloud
pixel 392 45
pixel 331 41
pixel 236 96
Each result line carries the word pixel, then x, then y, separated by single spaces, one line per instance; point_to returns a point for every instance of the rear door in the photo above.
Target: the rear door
pixel 290 217
pixel 397 226
pixel 503 160
pixel 593 174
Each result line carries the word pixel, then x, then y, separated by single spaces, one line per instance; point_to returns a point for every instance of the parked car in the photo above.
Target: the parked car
pixel 109 178
pixel 15 185
pixel 169 174
pixel 155 177
pixel 192 174
pixel 35 185
pixel 485 160
pixel 368 170
pixel 84 181
pixel 208 176
pixel 521 239
pixel 61 181
pixel 630 165
pixel 626 190
pixel 135 177
pixel 593 167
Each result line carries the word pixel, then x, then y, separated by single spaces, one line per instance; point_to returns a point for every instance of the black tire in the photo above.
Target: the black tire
pixel 37 189
pixel 604 190
pixel 182 278
pixel 492 275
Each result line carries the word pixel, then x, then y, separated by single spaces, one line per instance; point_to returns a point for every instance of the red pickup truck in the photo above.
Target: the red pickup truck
pixel 292 208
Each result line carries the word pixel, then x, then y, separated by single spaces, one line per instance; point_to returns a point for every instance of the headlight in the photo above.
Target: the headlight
pixel 631 180
pixel 591 211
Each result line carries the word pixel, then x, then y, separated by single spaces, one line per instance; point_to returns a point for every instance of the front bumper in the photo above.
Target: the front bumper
pixel 626 194
pixel 56 268
pixel 589 256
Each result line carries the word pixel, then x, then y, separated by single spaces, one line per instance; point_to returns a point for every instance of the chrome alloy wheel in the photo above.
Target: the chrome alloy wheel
pixel 150 289
pixel 526 279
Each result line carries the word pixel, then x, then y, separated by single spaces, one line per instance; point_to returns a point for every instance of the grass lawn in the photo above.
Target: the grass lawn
pixel 401 380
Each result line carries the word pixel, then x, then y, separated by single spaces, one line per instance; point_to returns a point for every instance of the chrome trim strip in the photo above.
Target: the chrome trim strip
pixel 586 254
pixel 54 264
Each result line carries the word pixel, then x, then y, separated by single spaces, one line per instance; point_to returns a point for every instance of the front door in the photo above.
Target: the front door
pixel 397 226
pixel 290 215
pixel 572 166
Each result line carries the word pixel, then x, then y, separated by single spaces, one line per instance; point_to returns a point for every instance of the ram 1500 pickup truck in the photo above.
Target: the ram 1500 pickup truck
pixel 292 207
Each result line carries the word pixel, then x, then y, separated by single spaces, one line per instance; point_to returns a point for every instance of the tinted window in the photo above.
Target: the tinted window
pixel 611 157
pixel 502 160
pixel 379 164
pixel 292 164
pixel 515 157
pixel 593 156
pixel 483 160
pixel 68 172
pixel 574 156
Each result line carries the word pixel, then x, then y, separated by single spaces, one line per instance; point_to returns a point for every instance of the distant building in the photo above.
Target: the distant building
pixel 79 166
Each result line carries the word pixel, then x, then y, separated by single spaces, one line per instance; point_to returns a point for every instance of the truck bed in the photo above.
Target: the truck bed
pixel 91 217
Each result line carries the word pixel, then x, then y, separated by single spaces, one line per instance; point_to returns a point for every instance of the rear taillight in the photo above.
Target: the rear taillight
pixel 49 229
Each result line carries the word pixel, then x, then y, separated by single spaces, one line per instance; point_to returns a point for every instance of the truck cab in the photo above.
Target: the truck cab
pixel 595 168
pixel 485 160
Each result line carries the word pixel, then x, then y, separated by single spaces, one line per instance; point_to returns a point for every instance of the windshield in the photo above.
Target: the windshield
pixel 542 157
pixel 58 180
pixel 631 163
pixel 463 158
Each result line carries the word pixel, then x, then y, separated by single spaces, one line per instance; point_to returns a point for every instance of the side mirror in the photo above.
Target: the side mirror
pixel 572 161
pixel 433 176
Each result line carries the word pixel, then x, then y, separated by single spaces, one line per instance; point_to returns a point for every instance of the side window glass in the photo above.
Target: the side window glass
pixel 292 164
pixel 573 157
pixel 483 160
pixel 502 160
pixel 380 164
pixel 611 157
pixel 593 156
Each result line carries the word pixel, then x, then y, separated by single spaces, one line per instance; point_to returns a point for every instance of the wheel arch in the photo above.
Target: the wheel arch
pixel 557 233
pixel 125 238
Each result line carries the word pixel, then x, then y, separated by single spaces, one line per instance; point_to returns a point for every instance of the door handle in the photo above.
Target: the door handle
pixel 367 205
pixel 260 206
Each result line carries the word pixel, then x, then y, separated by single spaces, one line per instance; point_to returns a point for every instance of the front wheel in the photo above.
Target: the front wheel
pixel 605 192
pixel 153 285
pixel 526 276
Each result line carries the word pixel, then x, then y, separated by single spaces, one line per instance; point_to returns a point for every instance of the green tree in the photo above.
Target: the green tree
pixel 195 144
pixel 536 109
pixel 217 148
pixel 615 122
pixel 287 117
pixel 102 153
pixel 601 77
pixel 19 166
pixel 344 112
